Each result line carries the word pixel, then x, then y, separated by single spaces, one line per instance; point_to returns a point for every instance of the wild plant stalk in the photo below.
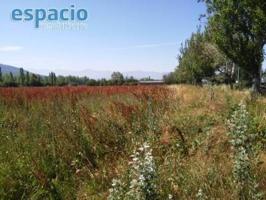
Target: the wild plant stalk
pixel 244 155
pixel 142 178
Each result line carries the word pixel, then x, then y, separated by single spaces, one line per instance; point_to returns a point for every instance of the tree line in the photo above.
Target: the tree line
pixel 229 49
pixel 25 78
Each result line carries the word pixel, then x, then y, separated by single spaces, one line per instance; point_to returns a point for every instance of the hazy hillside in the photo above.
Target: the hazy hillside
pixel 7 69
pixel 98 74
pixel 94 74
pixel 136 74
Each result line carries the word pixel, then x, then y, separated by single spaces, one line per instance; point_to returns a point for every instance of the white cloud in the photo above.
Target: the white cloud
pixel 10 48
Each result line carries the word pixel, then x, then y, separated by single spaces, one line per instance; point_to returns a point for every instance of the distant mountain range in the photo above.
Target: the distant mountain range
pixel 7 69
pixel 98 74
pixel 94 74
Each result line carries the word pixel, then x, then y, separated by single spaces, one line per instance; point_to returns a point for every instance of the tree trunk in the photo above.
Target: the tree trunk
pixel 256 82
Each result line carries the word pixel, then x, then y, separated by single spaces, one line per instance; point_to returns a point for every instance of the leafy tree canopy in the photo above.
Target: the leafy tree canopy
pixel 238 27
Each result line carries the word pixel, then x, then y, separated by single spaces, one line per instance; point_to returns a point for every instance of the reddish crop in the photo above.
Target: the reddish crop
pixel 28 94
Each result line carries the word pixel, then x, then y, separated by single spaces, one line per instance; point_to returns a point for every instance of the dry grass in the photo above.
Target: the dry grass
pixel 68 143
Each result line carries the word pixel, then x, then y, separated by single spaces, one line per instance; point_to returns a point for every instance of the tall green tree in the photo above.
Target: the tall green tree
pixel 52 78
pixel 9 80
pixel 27 79
pixel 35 80
pixel 117 78
pixel 1 75
pixel 11 77
pixel 196 60
pixel 21 77
pixel 238 27
pixel 170 78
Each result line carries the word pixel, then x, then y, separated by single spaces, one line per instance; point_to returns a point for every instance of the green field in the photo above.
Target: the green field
pixel 132 142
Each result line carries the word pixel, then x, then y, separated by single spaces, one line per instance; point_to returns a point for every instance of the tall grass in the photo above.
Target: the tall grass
pixel 77 142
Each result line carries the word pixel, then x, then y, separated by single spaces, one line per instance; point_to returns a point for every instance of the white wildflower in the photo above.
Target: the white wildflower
pixel 142 176
pixel 241 141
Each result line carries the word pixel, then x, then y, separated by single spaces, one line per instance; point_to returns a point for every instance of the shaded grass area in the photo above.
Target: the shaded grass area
pixel 69 143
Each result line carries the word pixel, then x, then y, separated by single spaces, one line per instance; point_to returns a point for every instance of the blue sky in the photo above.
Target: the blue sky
pixel 123 35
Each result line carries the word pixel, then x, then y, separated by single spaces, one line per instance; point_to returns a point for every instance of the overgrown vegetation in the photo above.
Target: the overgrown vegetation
pixel 140 142
pixel 229 48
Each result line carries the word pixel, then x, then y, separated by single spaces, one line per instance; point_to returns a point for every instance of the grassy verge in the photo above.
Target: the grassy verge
pixel 70 143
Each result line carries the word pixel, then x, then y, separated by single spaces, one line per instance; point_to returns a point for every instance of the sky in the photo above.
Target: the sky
pixel 120 35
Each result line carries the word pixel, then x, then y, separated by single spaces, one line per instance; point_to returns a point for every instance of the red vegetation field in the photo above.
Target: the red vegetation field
pixel 49 93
